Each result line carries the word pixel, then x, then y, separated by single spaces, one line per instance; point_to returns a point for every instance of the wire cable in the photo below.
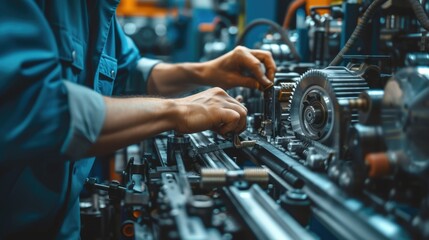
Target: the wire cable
pixel 358 31
pixel 277 28
pixel 293 6
pixel 420 13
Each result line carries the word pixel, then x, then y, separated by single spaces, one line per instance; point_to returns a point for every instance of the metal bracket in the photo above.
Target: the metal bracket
pixel 236 143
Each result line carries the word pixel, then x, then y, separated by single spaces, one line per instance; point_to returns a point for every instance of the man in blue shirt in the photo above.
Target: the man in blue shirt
pixel 59 63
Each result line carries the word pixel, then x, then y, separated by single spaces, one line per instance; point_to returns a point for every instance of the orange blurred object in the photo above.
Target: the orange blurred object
pixel 139 8
pixel 137 214
pixel 113 174
pixel 317 3
pixel 128 230
pixel 206 27
pixel 378 164
pixel 291 12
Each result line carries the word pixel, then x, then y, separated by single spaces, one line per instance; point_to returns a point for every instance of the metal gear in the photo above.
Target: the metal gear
pixel 285 97
pixel 276 105
pixel 315 103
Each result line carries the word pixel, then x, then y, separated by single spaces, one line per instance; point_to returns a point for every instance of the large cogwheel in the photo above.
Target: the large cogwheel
pixel 315 104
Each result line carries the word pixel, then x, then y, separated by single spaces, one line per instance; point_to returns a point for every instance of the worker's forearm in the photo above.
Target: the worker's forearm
pixel 171 79
pixel 226 71
pixel 130 120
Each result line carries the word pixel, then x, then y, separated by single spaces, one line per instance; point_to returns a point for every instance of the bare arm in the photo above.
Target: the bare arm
pixel 225 72
pixel 128 120
pixel 131 119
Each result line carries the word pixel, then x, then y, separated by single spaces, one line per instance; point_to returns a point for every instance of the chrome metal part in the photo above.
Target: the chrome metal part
pixel 405 117
pixel 242 144
pixel 316 105
pixel 211 177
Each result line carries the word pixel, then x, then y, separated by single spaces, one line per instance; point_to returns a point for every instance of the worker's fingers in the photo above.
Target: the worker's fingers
pixel 255 67
pixel 220 95
pixel 212 109
pixel 267 59
pixel 237 102
pixel 229 121
pixel 248 82
pixel 242 111
pixel 251 63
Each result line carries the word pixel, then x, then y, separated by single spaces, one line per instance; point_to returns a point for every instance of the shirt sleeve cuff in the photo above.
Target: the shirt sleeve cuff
pixel 145 66
pixel 87 113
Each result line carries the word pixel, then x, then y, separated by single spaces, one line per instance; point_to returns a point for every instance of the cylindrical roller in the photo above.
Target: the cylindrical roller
pixel 370 114
pixel 390 162
pixel 378 164
pixel 358 103
pixel 218 177
pixel 365 139
pixel 259 175
pixel 213 177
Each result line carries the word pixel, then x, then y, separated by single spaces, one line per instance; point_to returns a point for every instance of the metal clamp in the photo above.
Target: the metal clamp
pixel 242 144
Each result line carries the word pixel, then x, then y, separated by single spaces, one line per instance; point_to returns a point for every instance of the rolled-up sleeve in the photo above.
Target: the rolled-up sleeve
pixel 87 114
pixel 143 71
pixel 40 115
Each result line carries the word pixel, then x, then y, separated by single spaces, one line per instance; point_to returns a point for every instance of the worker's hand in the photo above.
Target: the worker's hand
pixel 242 67
pixel 212 109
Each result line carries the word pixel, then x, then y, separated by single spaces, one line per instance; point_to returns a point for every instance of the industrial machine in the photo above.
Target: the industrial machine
pixel 336 149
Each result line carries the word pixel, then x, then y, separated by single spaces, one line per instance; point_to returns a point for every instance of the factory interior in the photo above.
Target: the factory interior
pixel 214 119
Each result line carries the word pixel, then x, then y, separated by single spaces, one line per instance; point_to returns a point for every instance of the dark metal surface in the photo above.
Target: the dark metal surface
pixel 347 217
pixel 266 219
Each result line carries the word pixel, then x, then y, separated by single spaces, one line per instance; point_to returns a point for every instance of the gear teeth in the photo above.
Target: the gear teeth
pixel 285 97
pixel 339 82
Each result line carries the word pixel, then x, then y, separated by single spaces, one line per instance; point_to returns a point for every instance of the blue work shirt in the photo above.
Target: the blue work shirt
pixel 48 51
